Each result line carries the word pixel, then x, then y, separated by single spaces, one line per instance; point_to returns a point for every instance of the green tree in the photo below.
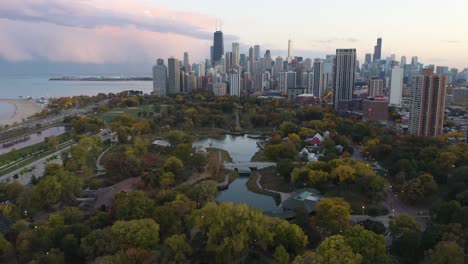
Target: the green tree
pixel 344 174
pixel 174 165
pixel 177 249
pixel 420 188
pixel 403 224
pixel 334 250
pixel 231 229
pixel 280 256
pixel 133 205
pixel 333 214
pixel 97 243
pixel 142 233
pixel 290 236
pixel 204 192
pixel 446 252
pixel 370 245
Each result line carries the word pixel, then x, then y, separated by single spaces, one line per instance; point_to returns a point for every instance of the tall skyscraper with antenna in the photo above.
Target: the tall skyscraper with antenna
pixel 378 50
pixel 218 46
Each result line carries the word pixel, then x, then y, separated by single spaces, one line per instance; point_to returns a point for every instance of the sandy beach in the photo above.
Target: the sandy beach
pixel 23 109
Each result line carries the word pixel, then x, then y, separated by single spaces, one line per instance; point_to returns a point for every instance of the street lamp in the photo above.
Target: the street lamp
pixel 393 212
pixel 363 207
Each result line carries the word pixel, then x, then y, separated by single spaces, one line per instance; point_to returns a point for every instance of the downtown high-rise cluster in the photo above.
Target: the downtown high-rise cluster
pixel 365 89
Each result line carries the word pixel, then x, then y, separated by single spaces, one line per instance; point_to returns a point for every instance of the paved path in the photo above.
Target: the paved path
pixel 38 171
pixel 284 196
pixel 248 164
pixel 99 167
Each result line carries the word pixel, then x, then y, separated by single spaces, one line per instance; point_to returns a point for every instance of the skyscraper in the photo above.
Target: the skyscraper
pixel 427 104
pixel 186 62
pixel 403 61
pixel 256 52
pixel 228 61
pixel 375 87
pixel 160 78
pixel 343 81
pixel 268 60
pixel 278 65
pixel 317 87
pixel 218 47
pixel 251 60
pixel 290 50
pixel 368 59
pixel 235 57
pixel 378 50
pixel 396 86
pixel 173 76
pixel 234 84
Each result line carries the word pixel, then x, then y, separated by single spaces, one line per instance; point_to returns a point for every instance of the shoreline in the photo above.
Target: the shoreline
pixel 23 110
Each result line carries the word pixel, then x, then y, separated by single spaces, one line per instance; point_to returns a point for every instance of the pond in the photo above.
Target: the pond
pixel 31 139
pixel 240 148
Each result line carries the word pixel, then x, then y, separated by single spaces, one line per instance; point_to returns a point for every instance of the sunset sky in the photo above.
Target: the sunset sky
pixel 139 31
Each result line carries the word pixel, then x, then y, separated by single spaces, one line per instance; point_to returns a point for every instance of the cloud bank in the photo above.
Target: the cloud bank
pixel 99 31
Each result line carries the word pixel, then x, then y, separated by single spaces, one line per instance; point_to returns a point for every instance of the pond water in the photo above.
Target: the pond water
pixel 240 148
pixel 30 140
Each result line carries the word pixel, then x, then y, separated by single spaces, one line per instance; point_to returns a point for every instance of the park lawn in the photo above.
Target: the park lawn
pixel 259 156
pixel 253 187
pixel 272 181
pixel 129 111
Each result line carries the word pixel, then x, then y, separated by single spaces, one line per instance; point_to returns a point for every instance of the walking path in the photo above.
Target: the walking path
pixel 248 164
pixel 99 167
pixel 284 196
pixel 37 166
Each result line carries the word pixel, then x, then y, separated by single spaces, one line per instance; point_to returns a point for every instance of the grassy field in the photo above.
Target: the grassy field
pixel 253 187
pixel 130 111
pixel 272 181
pixel 259 156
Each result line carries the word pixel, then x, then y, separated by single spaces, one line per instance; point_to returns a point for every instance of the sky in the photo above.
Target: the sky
pixel 137 32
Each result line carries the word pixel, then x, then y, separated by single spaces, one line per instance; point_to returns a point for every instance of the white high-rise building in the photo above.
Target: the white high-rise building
pixel 160 78
pixel 283 81
pixel 290 50
pixel 308 82
pixel 308 64
pixel 278 66
pixel 403 61
pixel 235 57
pixel 234 84
pixel 256 52
pixel 396 86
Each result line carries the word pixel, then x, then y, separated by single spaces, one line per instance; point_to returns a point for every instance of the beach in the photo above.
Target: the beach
pixel 21 111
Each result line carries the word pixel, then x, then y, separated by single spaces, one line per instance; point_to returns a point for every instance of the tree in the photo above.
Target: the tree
pixel 231 229
pixel 344 174
pixel 333 214
pixel 97 243
pixel 166 179
pixel 280 256
pixel 420 188
pixel 446 252
pixel 370 245
pixel 174 165
pixel 402 225
pixel 142 233
pixel 334 250
pixel 177 249
pixel 133 205
pixel 204 192
pixel 290 236
pixel 285 167
pixel 52 141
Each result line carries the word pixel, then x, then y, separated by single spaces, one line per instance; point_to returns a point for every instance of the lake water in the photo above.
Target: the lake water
pixel 14 86
pixel 240 148
pixel 32 139
pixel 7 110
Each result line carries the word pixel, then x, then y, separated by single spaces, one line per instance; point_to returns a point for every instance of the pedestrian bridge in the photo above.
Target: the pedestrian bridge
pixel 248 164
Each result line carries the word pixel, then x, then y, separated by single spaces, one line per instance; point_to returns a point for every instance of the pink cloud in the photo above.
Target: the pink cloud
pixel 20 41
pixel 99 31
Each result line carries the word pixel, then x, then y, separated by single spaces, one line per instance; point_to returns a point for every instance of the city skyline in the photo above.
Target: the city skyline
pixel 138 32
